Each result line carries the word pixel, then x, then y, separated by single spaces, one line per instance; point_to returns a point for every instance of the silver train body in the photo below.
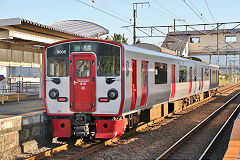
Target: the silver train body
pixel 120 80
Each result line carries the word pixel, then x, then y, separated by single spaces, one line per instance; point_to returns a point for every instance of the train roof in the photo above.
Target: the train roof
pixel 165 55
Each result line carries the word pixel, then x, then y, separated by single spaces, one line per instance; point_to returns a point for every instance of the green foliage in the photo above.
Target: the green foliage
pixel 138 41
pixel 119 38
pixel 227 76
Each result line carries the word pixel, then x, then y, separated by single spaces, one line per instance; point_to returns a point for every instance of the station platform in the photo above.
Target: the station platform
pixel 233 151
pixel 22 107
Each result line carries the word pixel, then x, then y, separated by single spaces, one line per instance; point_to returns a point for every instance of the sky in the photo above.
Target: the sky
pixel 158 12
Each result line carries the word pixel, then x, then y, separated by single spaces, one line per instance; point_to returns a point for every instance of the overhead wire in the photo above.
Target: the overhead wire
pixel 209 11
pixel 195 12
pixel 145 30
pixel 203 18
pixel 103 11
pixel 179 18
pixel 201 14
pixel 174 15
pixel 166 9
pixel 112 10
pixel 156 28
pixel 108 12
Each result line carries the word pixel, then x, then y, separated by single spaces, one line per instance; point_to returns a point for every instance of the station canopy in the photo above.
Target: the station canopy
pixel 25 32
pixel 83 28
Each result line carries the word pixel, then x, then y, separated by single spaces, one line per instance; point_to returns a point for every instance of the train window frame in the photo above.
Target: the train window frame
pixel 107 54
pixel 213 76
pixel 161 75
pixel 195 73
pixel 57 60
pixel 183 74
pixel 82 70
pixel 206 74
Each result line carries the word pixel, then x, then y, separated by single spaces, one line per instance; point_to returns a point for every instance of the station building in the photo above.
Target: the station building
pixel 204 42
pixel 21 48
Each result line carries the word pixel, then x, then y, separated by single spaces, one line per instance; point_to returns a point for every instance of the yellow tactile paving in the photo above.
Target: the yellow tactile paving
pixel 233 152
pixel 27 109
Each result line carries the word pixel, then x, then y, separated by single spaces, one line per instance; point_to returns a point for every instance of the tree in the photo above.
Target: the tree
pixel 227 76
pixel 138 41
pixel 119 38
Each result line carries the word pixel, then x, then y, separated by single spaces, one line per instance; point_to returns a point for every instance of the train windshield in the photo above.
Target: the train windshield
pixel 108 56
pixel 58 61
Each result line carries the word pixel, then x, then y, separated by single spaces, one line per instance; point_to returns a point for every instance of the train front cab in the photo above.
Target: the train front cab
pixel 83 88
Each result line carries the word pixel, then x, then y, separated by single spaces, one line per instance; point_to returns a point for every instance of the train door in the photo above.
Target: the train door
pixel 190 81
pixel 134 84
pixel 144 76
pixel 201 79
pixel 83 82
pixel 173 85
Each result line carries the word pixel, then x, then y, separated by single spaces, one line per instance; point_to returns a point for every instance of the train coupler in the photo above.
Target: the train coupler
pixel 81 130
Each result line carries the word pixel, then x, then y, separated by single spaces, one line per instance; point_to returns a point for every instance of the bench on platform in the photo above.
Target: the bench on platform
pixel 9 97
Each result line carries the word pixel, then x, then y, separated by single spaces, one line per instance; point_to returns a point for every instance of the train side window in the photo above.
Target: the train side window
pixel 213 76
pixel 146 74
pixel 160 73
pixel 206 74
pixel 182 73
pixel 195 74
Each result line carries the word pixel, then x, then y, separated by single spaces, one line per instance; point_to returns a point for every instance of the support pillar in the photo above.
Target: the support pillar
pixel 239 64
pixel 210 58
pixel 226 64
pixel 41 87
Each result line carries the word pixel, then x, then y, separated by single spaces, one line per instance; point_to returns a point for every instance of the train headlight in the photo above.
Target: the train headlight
pixel 112 94
pixel 53 93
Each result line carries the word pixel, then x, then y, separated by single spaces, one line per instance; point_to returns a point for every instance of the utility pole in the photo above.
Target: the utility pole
pixel 134 24
pixel 135 17
pixel 174 23
pixel 218 43
pixel 234 69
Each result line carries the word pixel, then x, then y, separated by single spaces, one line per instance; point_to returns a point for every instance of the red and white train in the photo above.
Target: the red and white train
pixel 93 87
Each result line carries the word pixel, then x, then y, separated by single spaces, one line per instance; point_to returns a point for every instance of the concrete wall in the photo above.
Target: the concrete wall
pixel 208 43
pixel 35 132
pixel 23 133
pixel 9 135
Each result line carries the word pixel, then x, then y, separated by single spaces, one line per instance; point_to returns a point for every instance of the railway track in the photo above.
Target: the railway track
pixel 197 143
pixel 79 150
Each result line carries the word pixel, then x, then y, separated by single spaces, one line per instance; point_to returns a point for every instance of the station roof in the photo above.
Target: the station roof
pixel 175 42
pixel 21 30
pixel 79 27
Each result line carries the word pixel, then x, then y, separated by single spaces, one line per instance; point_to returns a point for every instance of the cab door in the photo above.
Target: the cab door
pixel 173 84
pixel 134 84
pixel 83 82
pixel 190 81
pixel 144 67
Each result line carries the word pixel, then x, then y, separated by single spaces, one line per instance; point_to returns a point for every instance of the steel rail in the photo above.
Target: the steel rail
pixel 219 132
pixel 190 133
